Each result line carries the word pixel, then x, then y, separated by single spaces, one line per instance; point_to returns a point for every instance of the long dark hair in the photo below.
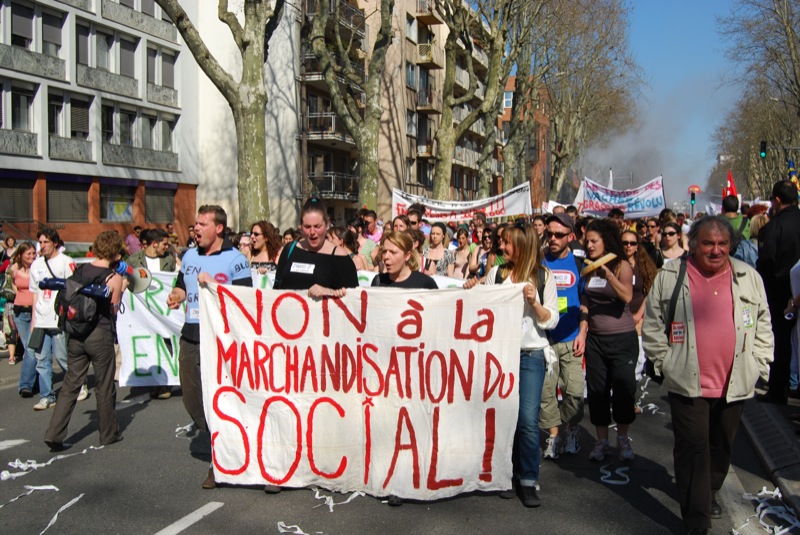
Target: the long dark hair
pixel 612 240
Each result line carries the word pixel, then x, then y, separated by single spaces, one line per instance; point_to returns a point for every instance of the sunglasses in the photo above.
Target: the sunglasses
pixel 256 234
pixel 670 233
pixel 630 243
pixel 413 223
pixel 557 235
pixel 652 226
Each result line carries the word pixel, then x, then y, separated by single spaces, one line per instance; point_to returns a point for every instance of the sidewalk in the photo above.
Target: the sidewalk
pixel 775 438
pixel 8 374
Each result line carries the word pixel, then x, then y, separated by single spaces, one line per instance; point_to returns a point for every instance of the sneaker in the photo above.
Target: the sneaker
pixel 530 498
pixel 573 445
pixel 25 393
pixel 624 447
pixel 716 509
pixel 84 393
pixel 395 501
pixel 600 450
pixel 43 404
pixel 554 447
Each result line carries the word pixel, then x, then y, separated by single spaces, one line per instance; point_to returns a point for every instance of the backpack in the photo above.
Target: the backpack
pixel 77 312
pixel 744 250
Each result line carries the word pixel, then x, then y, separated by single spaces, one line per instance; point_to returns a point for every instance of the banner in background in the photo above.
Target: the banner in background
pixel 645 201
pixel 148 333
pixel 409 392
pixel 512 203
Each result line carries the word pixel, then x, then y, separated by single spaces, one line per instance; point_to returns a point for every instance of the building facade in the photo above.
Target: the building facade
pixel 93 129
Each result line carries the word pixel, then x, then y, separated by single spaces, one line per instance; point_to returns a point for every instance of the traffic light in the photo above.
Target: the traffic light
pixel 762 149
pixel 693 198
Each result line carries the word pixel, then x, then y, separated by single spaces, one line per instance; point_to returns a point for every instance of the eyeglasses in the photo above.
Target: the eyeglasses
pixel 413 223
pixel 256 234
pixel 557 235
pixel 670 233
pixel 630 243
pixel 652 226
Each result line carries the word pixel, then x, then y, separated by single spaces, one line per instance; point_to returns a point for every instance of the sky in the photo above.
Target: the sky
pixel 678 47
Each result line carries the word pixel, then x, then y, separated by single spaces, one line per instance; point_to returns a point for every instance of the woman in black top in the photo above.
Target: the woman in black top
pixel 401 263
pixel 313 263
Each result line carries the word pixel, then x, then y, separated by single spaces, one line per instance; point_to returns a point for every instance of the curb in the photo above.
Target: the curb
pixel 777 447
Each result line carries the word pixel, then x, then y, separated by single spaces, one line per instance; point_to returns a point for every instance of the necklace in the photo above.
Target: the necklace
pixel 715 279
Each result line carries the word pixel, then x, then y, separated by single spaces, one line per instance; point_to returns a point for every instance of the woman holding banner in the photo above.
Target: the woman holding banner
pixel 401 263
pixel 523 255
pixel 265 243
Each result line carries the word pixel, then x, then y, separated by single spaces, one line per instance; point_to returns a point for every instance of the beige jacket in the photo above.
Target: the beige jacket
pixel 678 363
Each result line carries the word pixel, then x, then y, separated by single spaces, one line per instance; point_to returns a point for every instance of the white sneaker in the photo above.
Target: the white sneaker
pixel 601 448
pixel 624 447
pixel 573 445
pixel 43 404
pixel 84 393
pixel 554 448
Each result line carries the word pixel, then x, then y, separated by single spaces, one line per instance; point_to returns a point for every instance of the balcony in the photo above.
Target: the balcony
pixel 424 148
pixel 348 16
pixel 500 136
pixel 328 130
pixel 131 18
pixel 426 12
pixel 481 59
pixel 333 185
pixel 429 101
pixel 128 156
pixel 22 60
pixel 107 81
pixel 71 149
pixel 19 143
pixel 314 77
pixel 498 168
pixel 429 55
pixel 466 157
pixel 462 82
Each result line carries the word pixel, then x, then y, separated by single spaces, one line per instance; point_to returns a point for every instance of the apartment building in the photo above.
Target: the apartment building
pixel 537 146
pixel 93 129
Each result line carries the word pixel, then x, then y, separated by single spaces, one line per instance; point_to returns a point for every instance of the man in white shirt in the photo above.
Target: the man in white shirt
pixel 50 264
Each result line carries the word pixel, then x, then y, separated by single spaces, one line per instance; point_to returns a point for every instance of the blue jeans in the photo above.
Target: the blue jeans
pixel 54 345
pixel 27 375
pixel 532 369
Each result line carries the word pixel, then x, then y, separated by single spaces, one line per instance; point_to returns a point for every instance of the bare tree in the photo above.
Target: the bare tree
pixel 487 22
pixel 247 96
pixel 358 102
pixel 590 80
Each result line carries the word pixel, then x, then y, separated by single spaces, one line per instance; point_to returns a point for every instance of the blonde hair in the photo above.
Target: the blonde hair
pixel 404 242
pixel 757 223
pixel 529 255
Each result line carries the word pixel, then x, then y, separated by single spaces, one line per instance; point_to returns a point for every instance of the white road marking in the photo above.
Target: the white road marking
pixel 8 444
pixel 190 519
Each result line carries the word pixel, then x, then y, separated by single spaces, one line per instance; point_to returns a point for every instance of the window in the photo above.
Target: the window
pixel 82 38
pixel 16 199
pixel 508 99
pixel 51 34
pixel 67 202
pixel 149 7
pixel 127 124
pixel 424 175
pixel 168 70
pixel 21 101
pixel 167 130
pixel 127 55
pixel 55 115
pixel 105 47
pixel 409 169
pixel 107 123
pixel 21 25
pixel 148 131
pixel 79 119
pixel 411 123
pixel 411 75
pixel 159 205
pixel 152 54
pixel 411 28
pixel 116 203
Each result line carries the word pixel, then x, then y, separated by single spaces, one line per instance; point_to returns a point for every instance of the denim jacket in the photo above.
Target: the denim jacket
pixel 678 363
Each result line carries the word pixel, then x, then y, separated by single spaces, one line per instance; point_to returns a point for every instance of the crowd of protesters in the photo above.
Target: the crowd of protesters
pixel 704 305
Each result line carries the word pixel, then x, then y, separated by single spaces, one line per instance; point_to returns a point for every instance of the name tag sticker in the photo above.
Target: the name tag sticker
pixel 747 317
pixel 300 267
pixel 597 282
pixel 677 333
pixel 194 314
pixel 562 305
pixel 634 280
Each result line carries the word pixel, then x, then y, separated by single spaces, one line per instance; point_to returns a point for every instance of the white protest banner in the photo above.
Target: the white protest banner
pixel 645 201
pixel 148 333
pixel 385 391
pixel 513 202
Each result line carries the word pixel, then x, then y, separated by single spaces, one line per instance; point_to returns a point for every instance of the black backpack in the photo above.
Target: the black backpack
pixel 78 313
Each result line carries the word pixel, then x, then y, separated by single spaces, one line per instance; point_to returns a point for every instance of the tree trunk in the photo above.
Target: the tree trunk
pixel 251 159
pixel 368 165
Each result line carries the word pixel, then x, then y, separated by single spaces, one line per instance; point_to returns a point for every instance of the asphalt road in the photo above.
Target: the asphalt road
pixel 151 480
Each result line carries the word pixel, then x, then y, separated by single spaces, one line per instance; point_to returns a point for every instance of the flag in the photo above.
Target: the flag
pixel 793 175
pixel 610 179
pixel 730 187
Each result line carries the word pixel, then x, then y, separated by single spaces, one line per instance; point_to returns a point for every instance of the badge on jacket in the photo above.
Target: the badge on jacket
pixel 677 333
